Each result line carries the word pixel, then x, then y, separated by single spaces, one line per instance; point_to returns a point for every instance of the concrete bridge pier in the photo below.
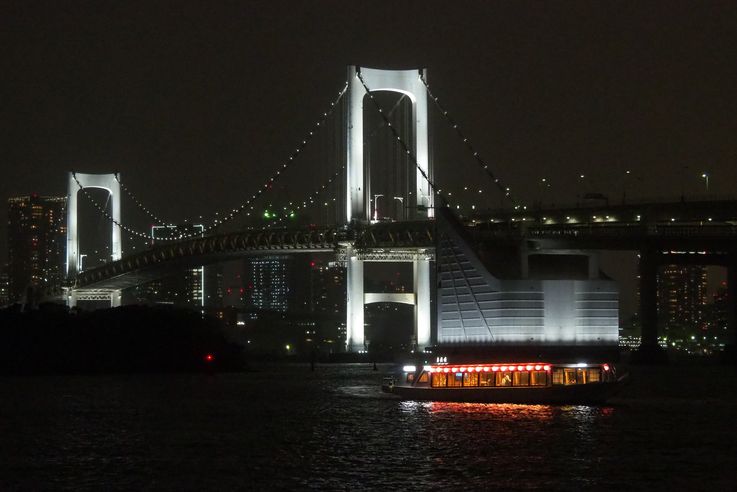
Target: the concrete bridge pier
pixel 731 342
pixel 649 350
pixel 114 296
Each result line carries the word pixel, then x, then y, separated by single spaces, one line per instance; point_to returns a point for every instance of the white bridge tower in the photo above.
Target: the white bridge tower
pixel 109 183
pixel 409 83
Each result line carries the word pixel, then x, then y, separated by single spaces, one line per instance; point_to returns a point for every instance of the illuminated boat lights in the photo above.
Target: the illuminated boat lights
pixel 492 367
pixel 535 366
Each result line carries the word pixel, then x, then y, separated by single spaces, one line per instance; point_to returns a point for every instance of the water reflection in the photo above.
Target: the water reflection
pixel 507 411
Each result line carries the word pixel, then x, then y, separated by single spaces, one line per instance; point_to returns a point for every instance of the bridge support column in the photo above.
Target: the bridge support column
pixel 649 350
pixel 71 297
pixel 731 341
pixel 116 298
pixel 355 340
pixel 423 315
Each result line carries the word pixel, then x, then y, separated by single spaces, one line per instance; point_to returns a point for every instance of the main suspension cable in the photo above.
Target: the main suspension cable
pixel 401 142
pixel 502 187
pixel 310 199
pixel 227 217
pixel 139 204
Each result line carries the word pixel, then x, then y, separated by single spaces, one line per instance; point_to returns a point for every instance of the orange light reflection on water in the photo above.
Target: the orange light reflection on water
pixel 505 410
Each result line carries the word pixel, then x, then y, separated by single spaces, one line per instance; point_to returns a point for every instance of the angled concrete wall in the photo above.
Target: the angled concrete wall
pixel 475 308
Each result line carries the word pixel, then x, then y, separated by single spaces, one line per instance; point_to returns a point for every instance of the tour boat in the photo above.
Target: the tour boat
pixel 512 382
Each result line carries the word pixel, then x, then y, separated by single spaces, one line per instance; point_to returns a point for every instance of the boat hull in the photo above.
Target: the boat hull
pixel 584 394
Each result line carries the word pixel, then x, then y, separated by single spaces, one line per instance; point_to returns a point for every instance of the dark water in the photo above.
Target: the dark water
pixel 287 428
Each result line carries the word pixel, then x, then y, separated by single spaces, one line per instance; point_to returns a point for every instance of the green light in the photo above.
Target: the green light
pixel 292 215
pixel 267 215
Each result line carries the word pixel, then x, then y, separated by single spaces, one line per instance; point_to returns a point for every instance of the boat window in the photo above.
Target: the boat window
pixel 538 378
pixel 558 375
pixel 423 378
pixel 582 376
pixel 486 379
pixel 471 379
pixel 504 378
pixel 410 377
pixel 455 379
pixel 594 375
pixel 439 379
pixel 569 376
pixel 521 378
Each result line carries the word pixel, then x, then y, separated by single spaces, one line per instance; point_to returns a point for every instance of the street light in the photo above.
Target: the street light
pixel 376 211
pixel 624 186
pixel 705 176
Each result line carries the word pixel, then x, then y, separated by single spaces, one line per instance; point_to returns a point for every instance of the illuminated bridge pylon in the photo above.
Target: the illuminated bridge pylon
pixel 358 189
pixel 78 182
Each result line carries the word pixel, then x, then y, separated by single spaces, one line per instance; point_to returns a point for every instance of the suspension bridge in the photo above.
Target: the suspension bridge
pixel 486 292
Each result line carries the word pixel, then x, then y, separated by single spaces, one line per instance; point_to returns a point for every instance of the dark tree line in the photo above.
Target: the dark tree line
pixel 127 339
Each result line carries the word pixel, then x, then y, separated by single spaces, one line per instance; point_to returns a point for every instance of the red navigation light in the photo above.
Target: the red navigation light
pixel 312 263
pixel 209 358
pixel 529 368
pixel 606 367
pixel 546 367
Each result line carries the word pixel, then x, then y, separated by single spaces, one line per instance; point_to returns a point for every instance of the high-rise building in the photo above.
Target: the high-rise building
pixel 36 243
pixel 4 287
pixel 681 297
pixel 270 283
pixel 327 287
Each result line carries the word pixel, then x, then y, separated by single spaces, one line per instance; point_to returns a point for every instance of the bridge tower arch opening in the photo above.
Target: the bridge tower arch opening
pixel 358 200
pixel 409 83
pixel 109 183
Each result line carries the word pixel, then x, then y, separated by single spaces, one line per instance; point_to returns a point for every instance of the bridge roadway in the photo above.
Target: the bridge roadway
pixel 706 243
pixel 686 210
pixel 705 240
pixel 160 259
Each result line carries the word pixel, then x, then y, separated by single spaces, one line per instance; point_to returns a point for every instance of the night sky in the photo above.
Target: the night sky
pixel 196 102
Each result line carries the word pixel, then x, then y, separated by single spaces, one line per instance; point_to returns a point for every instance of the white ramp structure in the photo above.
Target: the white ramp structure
pixel 477 308
pixel 109 183
pixel 358 189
